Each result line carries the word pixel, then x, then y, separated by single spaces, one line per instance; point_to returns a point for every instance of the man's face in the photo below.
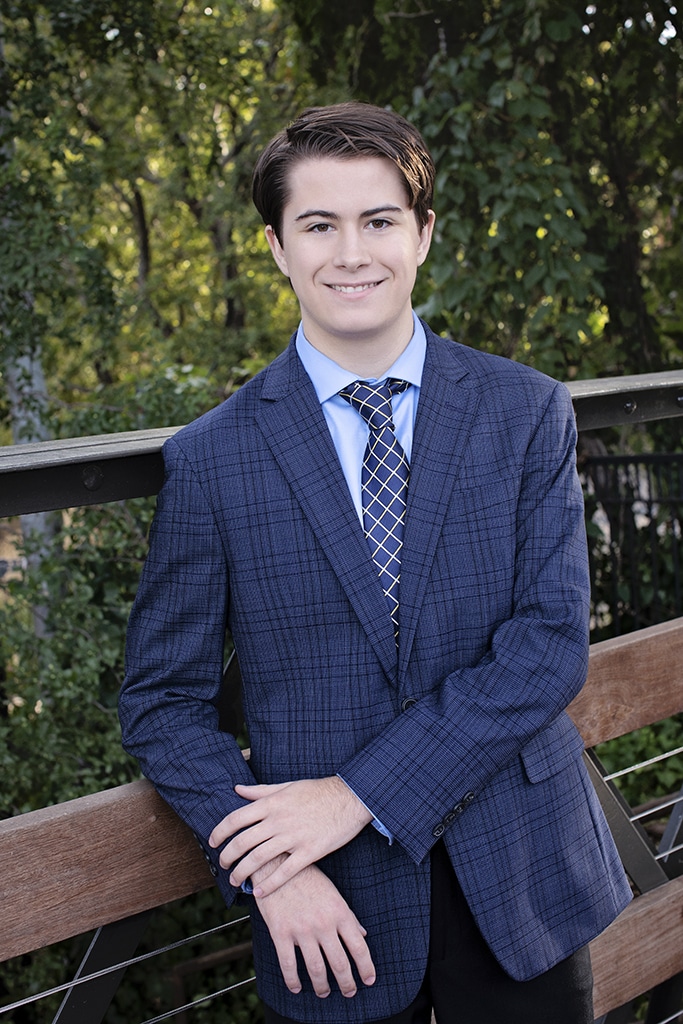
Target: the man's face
pixel 351 248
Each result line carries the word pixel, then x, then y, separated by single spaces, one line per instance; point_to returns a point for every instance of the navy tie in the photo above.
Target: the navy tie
pixel 384 482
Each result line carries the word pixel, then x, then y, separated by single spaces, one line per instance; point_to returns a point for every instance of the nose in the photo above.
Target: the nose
pixel 352 250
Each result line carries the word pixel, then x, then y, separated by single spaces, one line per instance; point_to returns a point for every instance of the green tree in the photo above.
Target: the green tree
pixel 557 133
pixel 132 131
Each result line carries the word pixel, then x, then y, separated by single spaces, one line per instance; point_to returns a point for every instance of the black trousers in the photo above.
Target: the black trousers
pixel 464 983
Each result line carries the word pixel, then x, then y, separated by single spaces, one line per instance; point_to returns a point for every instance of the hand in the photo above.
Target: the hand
pixel 306 819
pixel 309 912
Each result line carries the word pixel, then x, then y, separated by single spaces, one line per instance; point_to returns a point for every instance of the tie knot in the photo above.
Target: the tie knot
pixel 373 401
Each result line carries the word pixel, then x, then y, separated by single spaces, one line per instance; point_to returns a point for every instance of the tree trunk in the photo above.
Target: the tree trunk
pixel 22 371
pixel 27 394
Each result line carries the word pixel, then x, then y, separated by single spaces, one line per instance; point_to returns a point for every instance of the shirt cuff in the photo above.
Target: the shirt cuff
pixel 376 823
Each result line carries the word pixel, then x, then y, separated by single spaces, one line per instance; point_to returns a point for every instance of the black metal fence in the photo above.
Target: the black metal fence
pixel 634 510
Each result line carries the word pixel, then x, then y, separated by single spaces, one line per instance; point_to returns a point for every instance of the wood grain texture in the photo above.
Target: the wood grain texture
pixel 633 680
pixel 69 868
pixel 642 948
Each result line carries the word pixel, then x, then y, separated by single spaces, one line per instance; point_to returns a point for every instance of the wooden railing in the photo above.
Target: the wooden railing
pixel 109 857
pixel 633 681
pixel 109 467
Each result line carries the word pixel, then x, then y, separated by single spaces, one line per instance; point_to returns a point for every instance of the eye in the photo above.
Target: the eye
pixel 319 229
pixel 377 223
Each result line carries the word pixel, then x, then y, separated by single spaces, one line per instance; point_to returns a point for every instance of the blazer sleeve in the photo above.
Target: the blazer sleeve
pixel 174 662
pixel 435 758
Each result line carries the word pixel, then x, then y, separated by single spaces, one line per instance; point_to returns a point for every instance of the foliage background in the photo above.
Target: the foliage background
pixel 136 289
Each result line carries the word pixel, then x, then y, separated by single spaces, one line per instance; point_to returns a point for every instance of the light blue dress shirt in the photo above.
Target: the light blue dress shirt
pixel 350 431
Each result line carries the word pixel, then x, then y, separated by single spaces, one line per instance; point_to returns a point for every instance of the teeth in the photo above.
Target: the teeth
pixel 347 289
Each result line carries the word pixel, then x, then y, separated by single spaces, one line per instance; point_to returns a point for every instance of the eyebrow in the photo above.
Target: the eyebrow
pixel 329 215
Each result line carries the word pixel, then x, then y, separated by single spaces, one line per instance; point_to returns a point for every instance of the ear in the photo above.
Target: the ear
pixel 425 238
pixel 276 249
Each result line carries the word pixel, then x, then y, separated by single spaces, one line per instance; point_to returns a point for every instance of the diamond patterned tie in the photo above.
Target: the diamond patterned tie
pixel 384 482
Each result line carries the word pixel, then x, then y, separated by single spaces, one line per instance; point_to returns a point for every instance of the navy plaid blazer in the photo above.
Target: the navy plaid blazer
pixel 462 736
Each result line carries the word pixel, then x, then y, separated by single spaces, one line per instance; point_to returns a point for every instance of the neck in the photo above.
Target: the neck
pixel 365 357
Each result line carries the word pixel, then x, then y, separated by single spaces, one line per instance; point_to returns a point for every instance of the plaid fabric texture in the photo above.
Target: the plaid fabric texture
pixel 458 734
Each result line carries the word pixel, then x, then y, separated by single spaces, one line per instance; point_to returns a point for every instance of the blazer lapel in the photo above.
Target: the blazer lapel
pixel 295 430
pixel 446 412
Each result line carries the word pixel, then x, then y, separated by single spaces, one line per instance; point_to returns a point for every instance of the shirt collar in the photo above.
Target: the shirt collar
pixel 329 378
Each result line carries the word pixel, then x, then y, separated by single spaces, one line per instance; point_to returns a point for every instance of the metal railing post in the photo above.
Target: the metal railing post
pixel 115 943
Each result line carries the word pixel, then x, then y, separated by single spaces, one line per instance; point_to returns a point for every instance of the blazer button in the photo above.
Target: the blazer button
pixel 408 702
pixel 451 816
pixel 439 830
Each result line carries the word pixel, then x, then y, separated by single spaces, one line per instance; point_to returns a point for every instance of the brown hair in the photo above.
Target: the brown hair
pixel 343 131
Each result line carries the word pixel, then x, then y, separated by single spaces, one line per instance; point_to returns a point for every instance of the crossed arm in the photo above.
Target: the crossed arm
pixel 277 838
pixel 303 820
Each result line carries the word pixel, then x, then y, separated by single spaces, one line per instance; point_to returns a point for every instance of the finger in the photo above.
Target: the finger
pixel 353 937
pixel 256 859
pixel 286 955
pixel 237 820
pixel 244 843
pixel 316 967
pixel 257 792
pixel 339 964
pixel 288 869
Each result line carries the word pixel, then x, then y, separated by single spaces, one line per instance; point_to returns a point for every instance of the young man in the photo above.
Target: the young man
pixel 391 527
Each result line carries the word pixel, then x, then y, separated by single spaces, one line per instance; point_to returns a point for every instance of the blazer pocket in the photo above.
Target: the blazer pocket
pixel 552 750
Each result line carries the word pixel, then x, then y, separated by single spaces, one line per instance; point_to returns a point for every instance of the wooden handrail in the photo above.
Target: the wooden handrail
pixel 110 467
pixel 633 680
pixel 641 949
pixel 100 858
pixel 70 868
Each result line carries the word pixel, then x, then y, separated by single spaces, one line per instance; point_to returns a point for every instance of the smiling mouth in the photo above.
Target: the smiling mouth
pixel 350 289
